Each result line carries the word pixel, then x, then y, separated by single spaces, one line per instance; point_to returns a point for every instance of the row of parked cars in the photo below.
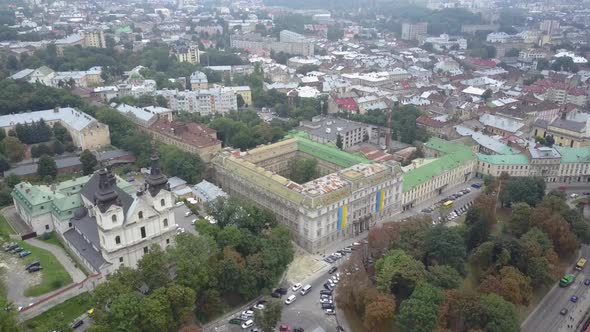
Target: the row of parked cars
pixel 341 253
pixel 14 248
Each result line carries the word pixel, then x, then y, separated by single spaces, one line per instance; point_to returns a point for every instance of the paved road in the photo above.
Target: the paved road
pixel 184 221
pixel 546 316
pixel 70 266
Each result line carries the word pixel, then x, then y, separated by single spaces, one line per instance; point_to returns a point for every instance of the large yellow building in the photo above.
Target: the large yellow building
pixel 243 91
pixel 93 38
pixel 187 53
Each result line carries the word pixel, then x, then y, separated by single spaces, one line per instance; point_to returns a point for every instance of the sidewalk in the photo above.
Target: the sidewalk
pixel 65 260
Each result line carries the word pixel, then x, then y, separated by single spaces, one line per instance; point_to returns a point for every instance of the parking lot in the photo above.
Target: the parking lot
pixel 17 279
pixel 183 220
pixel 450 208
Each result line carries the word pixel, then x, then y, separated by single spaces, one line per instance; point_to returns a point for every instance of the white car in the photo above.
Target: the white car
pixel 329 311
pixel 248 313
pixel 296 287
pixel 194 221
pixel 259 306
pixel 574 195
pixel 290 299
pixel 326 301
pixel 179 203
pixel 247 324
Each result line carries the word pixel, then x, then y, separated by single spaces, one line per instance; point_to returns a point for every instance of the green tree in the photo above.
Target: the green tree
pixel 240 100
pixel 12 180
pixel 444 276
pixel 4 163
pixel 518 224
pixel 154 269
pixel 155 314
pixel 334 33
pixel 420 311
pixel 15 150
pixel 46 167
pixel 513 52
pixel 268 318
pixel 302 170
pixel 529 190
pixel 89 162
pixel 399 273
pixel 564 63
pixel 58 147
pixel 487 94
pixel 498 315
pixel 510 283
pixel 445 246
pixel 339 141
pixel 542 64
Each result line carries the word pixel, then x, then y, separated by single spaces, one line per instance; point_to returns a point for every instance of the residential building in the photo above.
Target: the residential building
pixel 411 31
pixel 191 137
pixel 351 195
pixel 291 45
pixel 327 130
pixel 243 91
pixel 549 27
pixel 187 53
pixel 498 37
pixel 93 38
pixel 102 218
pixel 565 132
pixel 199 81
pixel 435 127
pixel 144 116
pixel 86 131
pixel 207 192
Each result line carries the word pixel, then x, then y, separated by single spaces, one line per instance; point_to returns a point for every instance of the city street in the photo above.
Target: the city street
pixel 306 311
pixel 547 317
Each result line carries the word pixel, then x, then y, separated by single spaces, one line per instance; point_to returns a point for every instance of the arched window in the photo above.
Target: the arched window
pixel 162 202
pixel 140 215
pixel 165 222
pixel 114 218
pixel 117 239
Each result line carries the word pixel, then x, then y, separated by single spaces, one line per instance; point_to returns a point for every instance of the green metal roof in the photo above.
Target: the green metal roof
pixel 424 173
pixel 327 152
pixel 510 159
pixel 444 146
pixel 574 155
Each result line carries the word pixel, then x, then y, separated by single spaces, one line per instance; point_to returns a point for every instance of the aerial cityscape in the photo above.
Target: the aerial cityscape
pixel 294 165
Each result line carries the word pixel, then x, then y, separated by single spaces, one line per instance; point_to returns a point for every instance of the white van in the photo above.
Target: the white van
pixel 305 289
pixel 290 299
pixel 247 324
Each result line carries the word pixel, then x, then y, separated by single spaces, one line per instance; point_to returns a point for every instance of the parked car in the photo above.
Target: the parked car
pixel 10 246
pixel 24 253
pixel 285 328
pixel 332 269
pixel 17 250
pixel 326 301
pixel 476 185
pixel 328 287
pixel 298 329
pixel 574 298
pixel 30 265
pixel 281 290
pixel 276 294
pixel 247 324
pixel 327 292
pixel 290 299
pixel 248 313
pixel 77 324
pixel 327 306
pixel 563 312
pixel 235 321
pixel 296 287
pixel 35 268
pixel 587 282
pixel 329 311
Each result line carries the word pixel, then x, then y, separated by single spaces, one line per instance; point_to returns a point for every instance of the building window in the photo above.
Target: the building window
pixel 69 224
pixel 167 241
pixel 114 218
pixel 120 259
pixel 140 215
pixel 145 250
pixel 117 239
pixel 165 222
pixel 143 232
pixel 46 227
pixel 162 202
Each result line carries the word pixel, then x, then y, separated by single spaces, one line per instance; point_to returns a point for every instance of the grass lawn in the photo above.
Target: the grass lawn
pixel 63 312
pixel 52 239
pixel 54 276
pixel 5 228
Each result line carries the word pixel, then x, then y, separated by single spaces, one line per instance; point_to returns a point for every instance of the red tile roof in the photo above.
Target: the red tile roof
pixel 346 103
pixel 195 134
pixel 429 122
pixel 483 63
